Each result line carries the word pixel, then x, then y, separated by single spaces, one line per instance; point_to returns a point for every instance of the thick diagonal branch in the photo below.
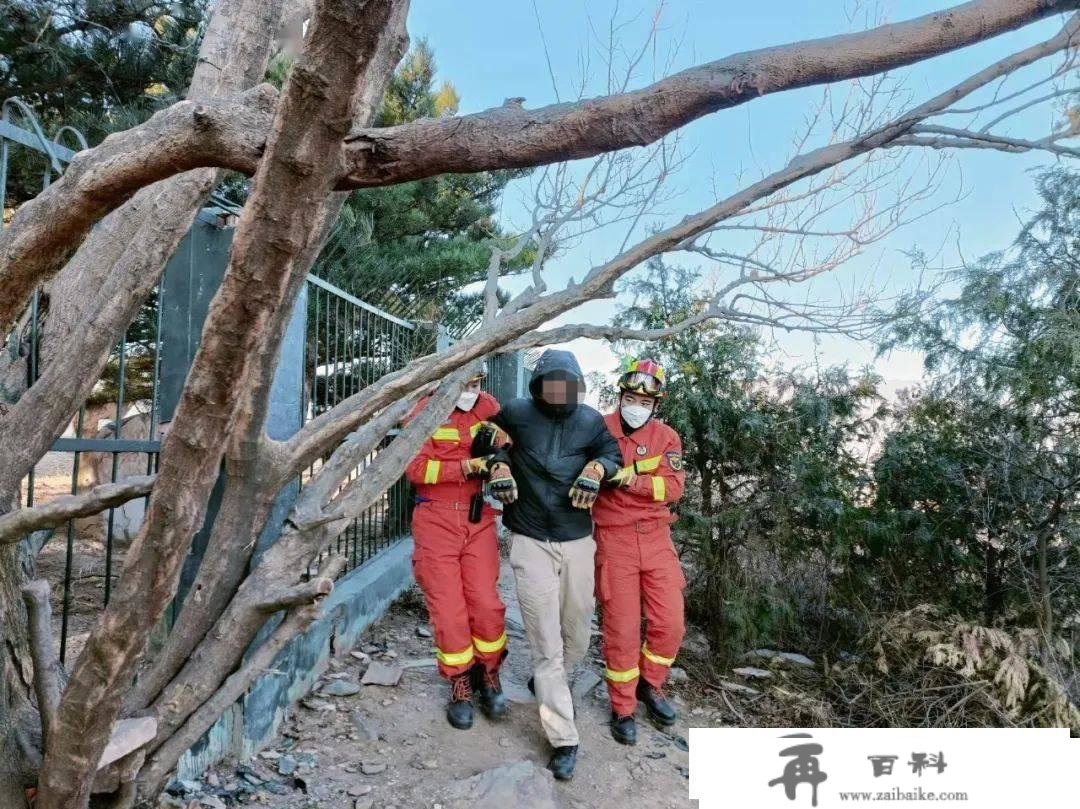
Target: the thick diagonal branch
pixel 513 137
pixel 224 133
pixel 257 467
pixel 297 173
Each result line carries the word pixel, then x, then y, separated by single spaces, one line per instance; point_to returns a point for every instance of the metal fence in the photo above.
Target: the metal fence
pixel 115 434
pixel 349 345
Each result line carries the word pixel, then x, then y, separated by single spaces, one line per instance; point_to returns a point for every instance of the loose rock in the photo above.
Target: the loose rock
pixel 521 783
pixel 340 688
pixel 382 674
pixel 753 673
pixel 367 729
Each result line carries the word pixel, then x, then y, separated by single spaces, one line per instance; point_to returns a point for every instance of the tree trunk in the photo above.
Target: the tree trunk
pixel 992 586
pixel 1046 608
pixel 20 727
pixel 297 174
pixel 715 573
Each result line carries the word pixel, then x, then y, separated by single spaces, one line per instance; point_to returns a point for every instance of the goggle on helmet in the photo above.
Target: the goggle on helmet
pixel 481 373
pixel 644 376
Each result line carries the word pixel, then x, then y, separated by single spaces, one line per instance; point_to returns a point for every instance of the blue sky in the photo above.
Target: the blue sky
pixel 493 50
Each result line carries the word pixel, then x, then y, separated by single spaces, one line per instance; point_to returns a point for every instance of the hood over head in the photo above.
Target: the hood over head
pixel 559 364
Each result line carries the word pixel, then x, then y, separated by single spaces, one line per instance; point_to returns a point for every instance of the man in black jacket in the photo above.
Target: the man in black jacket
pixel 560 453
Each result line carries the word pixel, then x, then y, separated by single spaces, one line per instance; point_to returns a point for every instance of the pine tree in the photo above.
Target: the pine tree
pixel 99 66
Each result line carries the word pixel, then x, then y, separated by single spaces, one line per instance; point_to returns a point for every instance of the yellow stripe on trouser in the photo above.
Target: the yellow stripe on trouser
pixel 655 658
pixel 489 646
pixel 659 489
pixel 431 471
pixel 454 658
pixel 622 676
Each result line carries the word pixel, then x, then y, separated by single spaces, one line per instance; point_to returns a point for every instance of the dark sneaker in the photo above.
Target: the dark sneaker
pixel 660 709
pixel 487 686
pixel 562 762
pixel 623 729
pixel 459 712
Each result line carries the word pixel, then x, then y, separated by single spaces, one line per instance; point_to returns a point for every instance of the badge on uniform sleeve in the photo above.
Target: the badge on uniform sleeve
pixel 674 460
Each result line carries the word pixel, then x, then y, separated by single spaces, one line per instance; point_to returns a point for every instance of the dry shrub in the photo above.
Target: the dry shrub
pixel 925 668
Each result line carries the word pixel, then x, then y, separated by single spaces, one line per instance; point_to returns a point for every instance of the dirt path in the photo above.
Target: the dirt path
pixel 417 757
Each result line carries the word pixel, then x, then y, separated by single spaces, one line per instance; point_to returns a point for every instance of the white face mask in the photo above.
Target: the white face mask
pixel 635 415
pixel 467 399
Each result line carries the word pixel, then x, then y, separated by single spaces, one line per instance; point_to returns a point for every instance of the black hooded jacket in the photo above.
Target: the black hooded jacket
pixel 551 445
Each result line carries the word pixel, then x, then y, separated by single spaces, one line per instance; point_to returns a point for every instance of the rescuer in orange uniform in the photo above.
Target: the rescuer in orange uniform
pixel 637 569
pixel 456 559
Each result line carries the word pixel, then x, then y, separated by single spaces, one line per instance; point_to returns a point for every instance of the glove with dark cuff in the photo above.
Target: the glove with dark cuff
pixel 503 486
pixel 587 486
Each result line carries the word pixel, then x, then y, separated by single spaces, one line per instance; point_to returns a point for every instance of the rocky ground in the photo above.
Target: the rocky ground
pixel 356 744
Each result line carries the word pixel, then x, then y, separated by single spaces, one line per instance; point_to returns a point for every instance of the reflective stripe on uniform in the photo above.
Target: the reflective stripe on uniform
pixel 655 658
pixel 431 471
pixel 648 464
pixel 476 428
pixel 622 676
pixel 487 646
pixel 659 489
pixel 446 434
pixel 454 658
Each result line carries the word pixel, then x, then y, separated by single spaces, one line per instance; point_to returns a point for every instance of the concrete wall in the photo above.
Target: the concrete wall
pixel 358 600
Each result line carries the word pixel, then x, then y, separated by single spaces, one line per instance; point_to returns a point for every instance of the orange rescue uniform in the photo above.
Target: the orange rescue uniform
pixel 456 562
pixel 637 568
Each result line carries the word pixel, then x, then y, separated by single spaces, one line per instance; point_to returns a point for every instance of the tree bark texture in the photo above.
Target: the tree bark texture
pixel 300 167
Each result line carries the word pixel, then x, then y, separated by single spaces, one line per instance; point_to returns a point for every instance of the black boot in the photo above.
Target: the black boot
pixel 661 711
pixel 459 711
pixel 487 686
pixel 562 762
pixel 623 729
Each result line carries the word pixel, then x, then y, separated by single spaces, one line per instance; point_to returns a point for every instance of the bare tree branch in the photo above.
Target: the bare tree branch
pixel 48 673
pixel 944 137
pixel 512 137
pixel 298 618
pixel 16 524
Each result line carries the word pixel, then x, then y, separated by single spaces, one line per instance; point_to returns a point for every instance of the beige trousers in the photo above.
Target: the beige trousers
pixel 555 591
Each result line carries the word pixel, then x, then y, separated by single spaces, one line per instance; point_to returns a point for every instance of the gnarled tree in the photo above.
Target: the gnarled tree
pixel 303 148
